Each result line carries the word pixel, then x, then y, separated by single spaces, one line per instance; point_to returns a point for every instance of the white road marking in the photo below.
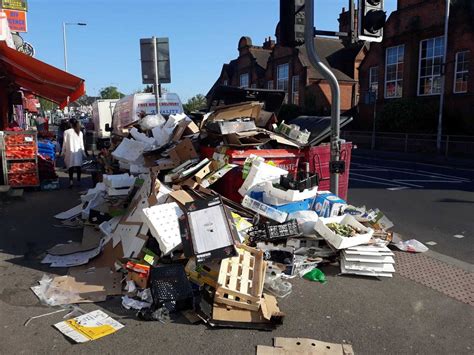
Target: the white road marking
pixel 432 181
pixel 372 182
pixel 387 180
pixel 398 188
pixel 411 162
pixel 459 236
pixel 431 243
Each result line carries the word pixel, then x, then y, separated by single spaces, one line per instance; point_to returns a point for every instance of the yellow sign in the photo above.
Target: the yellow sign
pixel 20 5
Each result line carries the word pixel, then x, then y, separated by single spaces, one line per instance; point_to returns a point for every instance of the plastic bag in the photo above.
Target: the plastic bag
pixel 315 275
pixel 306 221
pixel 152 121
pixel 411 246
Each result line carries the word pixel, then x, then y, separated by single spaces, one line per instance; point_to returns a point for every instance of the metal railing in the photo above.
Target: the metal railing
pixel 451 145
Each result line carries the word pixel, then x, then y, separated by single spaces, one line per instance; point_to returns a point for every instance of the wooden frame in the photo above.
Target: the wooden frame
pixel 241 278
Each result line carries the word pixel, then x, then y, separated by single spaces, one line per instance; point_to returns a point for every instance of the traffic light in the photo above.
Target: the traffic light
pixel 292 22
pixel 371 20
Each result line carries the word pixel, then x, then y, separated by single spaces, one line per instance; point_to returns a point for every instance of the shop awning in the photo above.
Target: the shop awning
pixel 40 78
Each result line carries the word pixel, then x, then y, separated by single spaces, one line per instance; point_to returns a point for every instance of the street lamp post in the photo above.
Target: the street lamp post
pixel 64 38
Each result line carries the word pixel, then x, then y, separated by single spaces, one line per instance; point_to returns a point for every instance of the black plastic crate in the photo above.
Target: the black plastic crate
pixel 171 288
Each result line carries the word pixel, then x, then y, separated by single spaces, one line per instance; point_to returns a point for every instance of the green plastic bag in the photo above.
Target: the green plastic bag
pixel 315 275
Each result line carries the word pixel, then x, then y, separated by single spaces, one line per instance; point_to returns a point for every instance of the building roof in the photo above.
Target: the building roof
pixel 261 55
pixel 333 53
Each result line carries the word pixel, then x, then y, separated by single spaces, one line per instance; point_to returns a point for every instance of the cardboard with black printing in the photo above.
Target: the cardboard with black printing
pixel 207 231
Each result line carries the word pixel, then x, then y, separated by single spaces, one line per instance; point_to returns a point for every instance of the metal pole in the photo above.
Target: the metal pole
pixel 443 78
pixel 65 46
pixel 156 84
pixel 335 90
pixel 375 116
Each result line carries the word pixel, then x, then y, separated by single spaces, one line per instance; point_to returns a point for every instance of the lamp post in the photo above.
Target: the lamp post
pixel 64 38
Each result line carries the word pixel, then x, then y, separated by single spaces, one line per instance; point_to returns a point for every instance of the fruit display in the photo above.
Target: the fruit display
pixel 20 165
pixel 26 167
pixel 21 179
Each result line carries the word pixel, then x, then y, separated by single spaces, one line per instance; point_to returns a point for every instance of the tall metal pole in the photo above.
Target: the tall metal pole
pixel 315 60
pixel 65 46
pixel 443 78
pixel 156 84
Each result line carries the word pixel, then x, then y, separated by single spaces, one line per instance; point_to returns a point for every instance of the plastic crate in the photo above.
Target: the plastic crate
pixel 171 288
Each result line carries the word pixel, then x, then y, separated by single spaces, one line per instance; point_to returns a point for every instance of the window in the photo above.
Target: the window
pixel 270 85
pixel 295 88
pixel 254 86
pixel 374 80
pixel 431 63
pixel 244 80
pixel 282 79
pixel 394 71
pixel 461 72
pixel 225 83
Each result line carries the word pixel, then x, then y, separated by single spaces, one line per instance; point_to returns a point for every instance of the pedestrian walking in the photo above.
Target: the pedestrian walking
pixel 73 150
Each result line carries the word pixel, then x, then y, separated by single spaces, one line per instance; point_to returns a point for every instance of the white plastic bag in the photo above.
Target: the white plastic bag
pixel 152 121
pixel 306 221
pixel 411 246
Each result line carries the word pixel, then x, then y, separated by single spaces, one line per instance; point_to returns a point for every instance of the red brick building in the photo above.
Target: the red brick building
pixel 408 65
pixel 273 66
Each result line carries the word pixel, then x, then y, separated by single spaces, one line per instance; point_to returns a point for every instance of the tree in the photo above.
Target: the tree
pixel 46 105
pixel 195 103
pixel 111 92
pixel 148 89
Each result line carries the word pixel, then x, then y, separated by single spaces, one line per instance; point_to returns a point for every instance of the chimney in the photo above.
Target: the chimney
pixel 344 21
pixel 269 43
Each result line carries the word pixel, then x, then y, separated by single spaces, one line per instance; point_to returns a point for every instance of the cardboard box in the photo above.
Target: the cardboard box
pixel 327 204
pixel 184 151
pixel 203 172
pixel 338 241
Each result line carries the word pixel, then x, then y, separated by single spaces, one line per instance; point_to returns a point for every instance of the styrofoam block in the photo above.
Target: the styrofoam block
pixel 338 241
pixel 164 225
pixel 363 273
pixel 260 172
pixel 368 267
pixel 129 150
pixel 120 180
pixel 282 197
pixel 264 209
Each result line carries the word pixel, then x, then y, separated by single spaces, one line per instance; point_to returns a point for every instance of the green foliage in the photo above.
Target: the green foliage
pixel 110 92
pixel 46 105
pixel 195 103
pixel 408 116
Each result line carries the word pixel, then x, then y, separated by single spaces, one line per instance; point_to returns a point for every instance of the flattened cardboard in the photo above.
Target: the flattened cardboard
pixel 184 151
pixel 287 346
pixel 182 197
pixel 246 139
pixel 107 258
pixel 179 130
pixel 240 110
pixel 270 309
pixel 90 240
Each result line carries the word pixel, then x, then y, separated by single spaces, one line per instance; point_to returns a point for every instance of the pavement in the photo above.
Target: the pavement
pixel 389 316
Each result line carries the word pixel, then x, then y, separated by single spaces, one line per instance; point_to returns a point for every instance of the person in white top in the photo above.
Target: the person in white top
pixel 73 150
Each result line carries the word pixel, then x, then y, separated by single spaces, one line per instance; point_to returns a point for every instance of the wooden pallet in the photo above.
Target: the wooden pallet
pixel 241 278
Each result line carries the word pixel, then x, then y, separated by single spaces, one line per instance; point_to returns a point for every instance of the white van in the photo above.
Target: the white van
pixel 128 108
pixel 102 111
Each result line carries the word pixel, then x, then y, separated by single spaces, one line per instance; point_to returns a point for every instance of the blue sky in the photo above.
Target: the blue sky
pixel 203 35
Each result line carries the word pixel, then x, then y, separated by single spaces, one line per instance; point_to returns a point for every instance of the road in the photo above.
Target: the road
pixel 390 316
pixel 428 202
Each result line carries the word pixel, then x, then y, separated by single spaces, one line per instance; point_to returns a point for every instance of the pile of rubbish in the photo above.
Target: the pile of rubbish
pixel 162 236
